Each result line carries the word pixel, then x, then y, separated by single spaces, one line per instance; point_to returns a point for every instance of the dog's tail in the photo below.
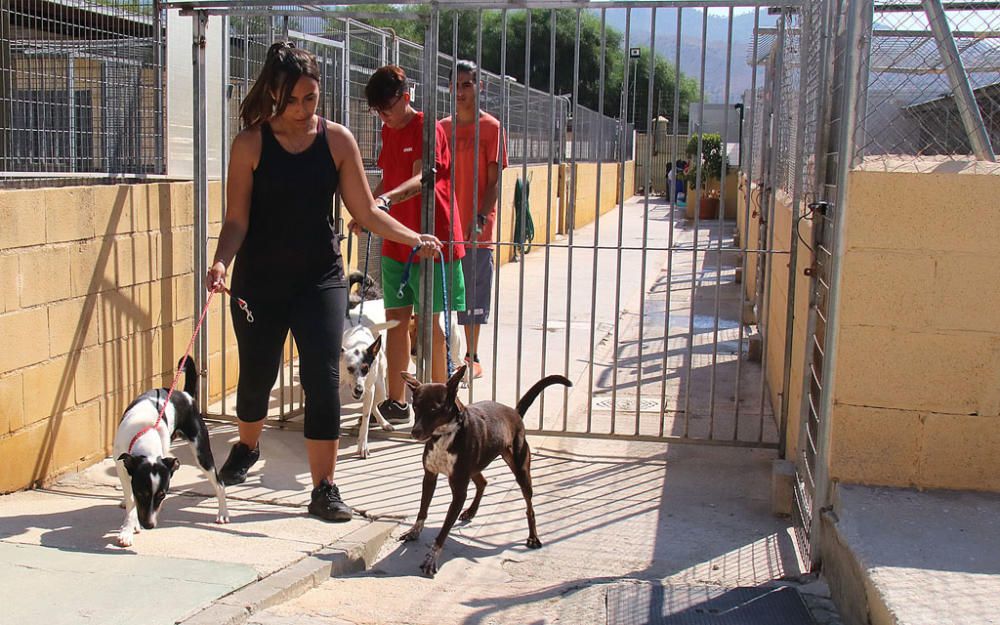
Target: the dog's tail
pixel 190 376
pixel 535 391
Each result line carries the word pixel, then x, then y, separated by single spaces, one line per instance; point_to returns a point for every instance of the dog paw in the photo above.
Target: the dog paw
pixel 533 543
pixel 222 519
pixel 468 515
pixel 430 565
pixel 388 427
pixel 363 453
pixel 125 539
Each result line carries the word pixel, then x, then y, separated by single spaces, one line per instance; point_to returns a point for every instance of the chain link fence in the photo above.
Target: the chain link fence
pixel 912 108
pixel 81 89
pixel 907 102
pixel 539 127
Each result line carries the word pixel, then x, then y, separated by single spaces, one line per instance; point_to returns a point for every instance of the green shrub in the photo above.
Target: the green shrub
pixel 711 157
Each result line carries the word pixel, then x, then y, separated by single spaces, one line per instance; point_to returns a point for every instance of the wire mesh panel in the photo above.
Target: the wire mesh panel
pixel 911 101
pixel 80 88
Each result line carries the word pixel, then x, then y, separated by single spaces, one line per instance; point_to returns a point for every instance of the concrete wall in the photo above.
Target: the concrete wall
pixel 587 201
pixel 96 292
pixel 553 215
pixel 918 383
pixel 918 386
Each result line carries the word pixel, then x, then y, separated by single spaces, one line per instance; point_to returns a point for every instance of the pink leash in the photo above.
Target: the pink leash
pixel 204 311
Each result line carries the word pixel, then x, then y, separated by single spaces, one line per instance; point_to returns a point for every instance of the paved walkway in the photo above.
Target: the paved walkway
pixel 610 512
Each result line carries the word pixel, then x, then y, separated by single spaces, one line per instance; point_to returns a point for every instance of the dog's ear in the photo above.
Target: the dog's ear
pixel 172 463
pixel 456 379
pixel 129 461
pixel 411 381
pixel 376 346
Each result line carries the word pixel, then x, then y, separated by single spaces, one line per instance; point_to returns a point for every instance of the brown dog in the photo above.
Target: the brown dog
pixel 461 442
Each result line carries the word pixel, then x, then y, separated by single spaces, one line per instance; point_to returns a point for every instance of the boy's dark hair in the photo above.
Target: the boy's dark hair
pixel 283 67
pixel 463 65
pixel 385 85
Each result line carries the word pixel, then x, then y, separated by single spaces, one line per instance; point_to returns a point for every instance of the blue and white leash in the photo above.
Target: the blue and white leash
pixel 405 278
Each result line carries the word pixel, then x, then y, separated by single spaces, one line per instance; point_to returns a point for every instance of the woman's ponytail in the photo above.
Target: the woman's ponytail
pixel 283 67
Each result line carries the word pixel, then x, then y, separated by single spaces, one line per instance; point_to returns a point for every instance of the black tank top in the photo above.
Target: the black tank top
pixel 291 243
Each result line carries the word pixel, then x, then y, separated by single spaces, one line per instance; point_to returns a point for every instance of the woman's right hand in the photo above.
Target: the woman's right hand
pixel 429 246
pixel 215 280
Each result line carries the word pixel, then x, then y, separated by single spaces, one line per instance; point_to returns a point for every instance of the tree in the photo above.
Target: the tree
pixel 565 50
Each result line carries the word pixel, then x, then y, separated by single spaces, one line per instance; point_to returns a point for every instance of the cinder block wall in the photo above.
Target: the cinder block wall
pixel 774 315
pixel 95 306
pixel 587 202
pixel 544 206
pixel 918 381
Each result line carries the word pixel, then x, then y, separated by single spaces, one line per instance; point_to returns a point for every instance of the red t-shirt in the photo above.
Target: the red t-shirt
pixel 491 151
pixel 400 149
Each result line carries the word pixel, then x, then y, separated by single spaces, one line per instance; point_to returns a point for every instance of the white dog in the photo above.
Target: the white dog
pixel 362 374
pixel 141 459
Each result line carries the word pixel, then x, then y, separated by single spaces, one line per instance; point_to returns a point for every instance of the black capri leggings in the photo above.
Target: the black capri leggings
pixel 316 318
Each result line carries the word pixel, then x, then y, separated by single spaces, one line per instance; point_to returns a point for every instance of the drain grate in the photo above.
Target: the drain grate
pixel 627 403
pixel 634 603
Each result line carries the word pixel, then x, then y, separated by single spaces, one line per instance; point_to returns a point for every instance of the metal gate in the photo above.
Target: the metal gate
pixel 635 295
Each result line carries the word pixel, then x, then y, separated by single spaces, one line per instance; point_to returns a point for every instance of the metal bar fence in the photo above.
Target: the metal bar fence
pixel 81 89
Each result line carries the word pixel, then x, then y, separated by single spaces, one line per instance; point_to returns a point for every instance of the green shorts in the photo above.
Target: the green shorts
pixel 392 274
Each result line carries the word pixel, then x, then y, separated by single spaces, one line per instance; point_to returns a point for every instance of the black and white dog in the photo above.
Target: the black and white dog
pixel 363 370
pixel 140 449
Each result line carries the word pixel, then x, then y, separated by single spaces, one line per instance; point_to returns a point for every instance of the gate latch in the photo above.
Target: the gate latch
pixel 821 207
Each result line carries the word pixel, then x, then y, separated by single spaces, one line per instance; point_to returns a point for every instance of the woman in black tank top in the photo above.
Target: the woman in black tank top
pixel 284 169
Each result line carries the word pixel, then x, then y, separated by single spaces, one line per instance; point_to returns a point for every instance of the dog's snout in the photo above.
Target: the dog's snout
pixel 358 391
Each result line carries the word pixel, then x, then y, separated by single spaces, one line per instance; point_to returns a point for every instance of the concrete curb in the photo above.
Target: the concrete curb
pixel 352 553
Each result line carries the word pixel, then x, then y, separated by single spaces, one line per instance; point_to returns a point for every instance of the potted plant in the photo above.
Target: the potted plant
pixel 711 168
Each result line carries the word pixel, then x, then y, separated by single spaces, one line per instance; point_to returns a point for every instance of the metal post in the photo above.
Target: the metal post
pixel 635 76
pixel 616 333
pixel 965 99
pixel 200 129
pixel 829 375
pixel 160 158
pixel 646 185
pixel 428 157
pixel 767 207
pixel 226 94
pixel 548 207
pixel 571 213
pixel 805 31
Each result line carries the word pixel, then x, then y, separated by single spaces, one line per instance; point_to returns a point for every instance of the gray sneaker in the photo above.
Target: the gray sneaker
pixel 395 412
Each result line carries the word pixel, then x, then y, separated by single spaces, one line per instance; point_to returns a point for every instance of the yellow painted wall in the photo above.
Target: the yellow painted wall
pixel 749 231
pixel 774 314
pixel 587 203
pixel 96 306
pixel 918 384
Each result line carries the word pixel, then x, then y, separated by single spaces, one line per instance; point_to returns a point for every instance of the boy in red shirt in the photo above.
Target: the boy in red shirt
pixel 388 97
pixel 478 220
